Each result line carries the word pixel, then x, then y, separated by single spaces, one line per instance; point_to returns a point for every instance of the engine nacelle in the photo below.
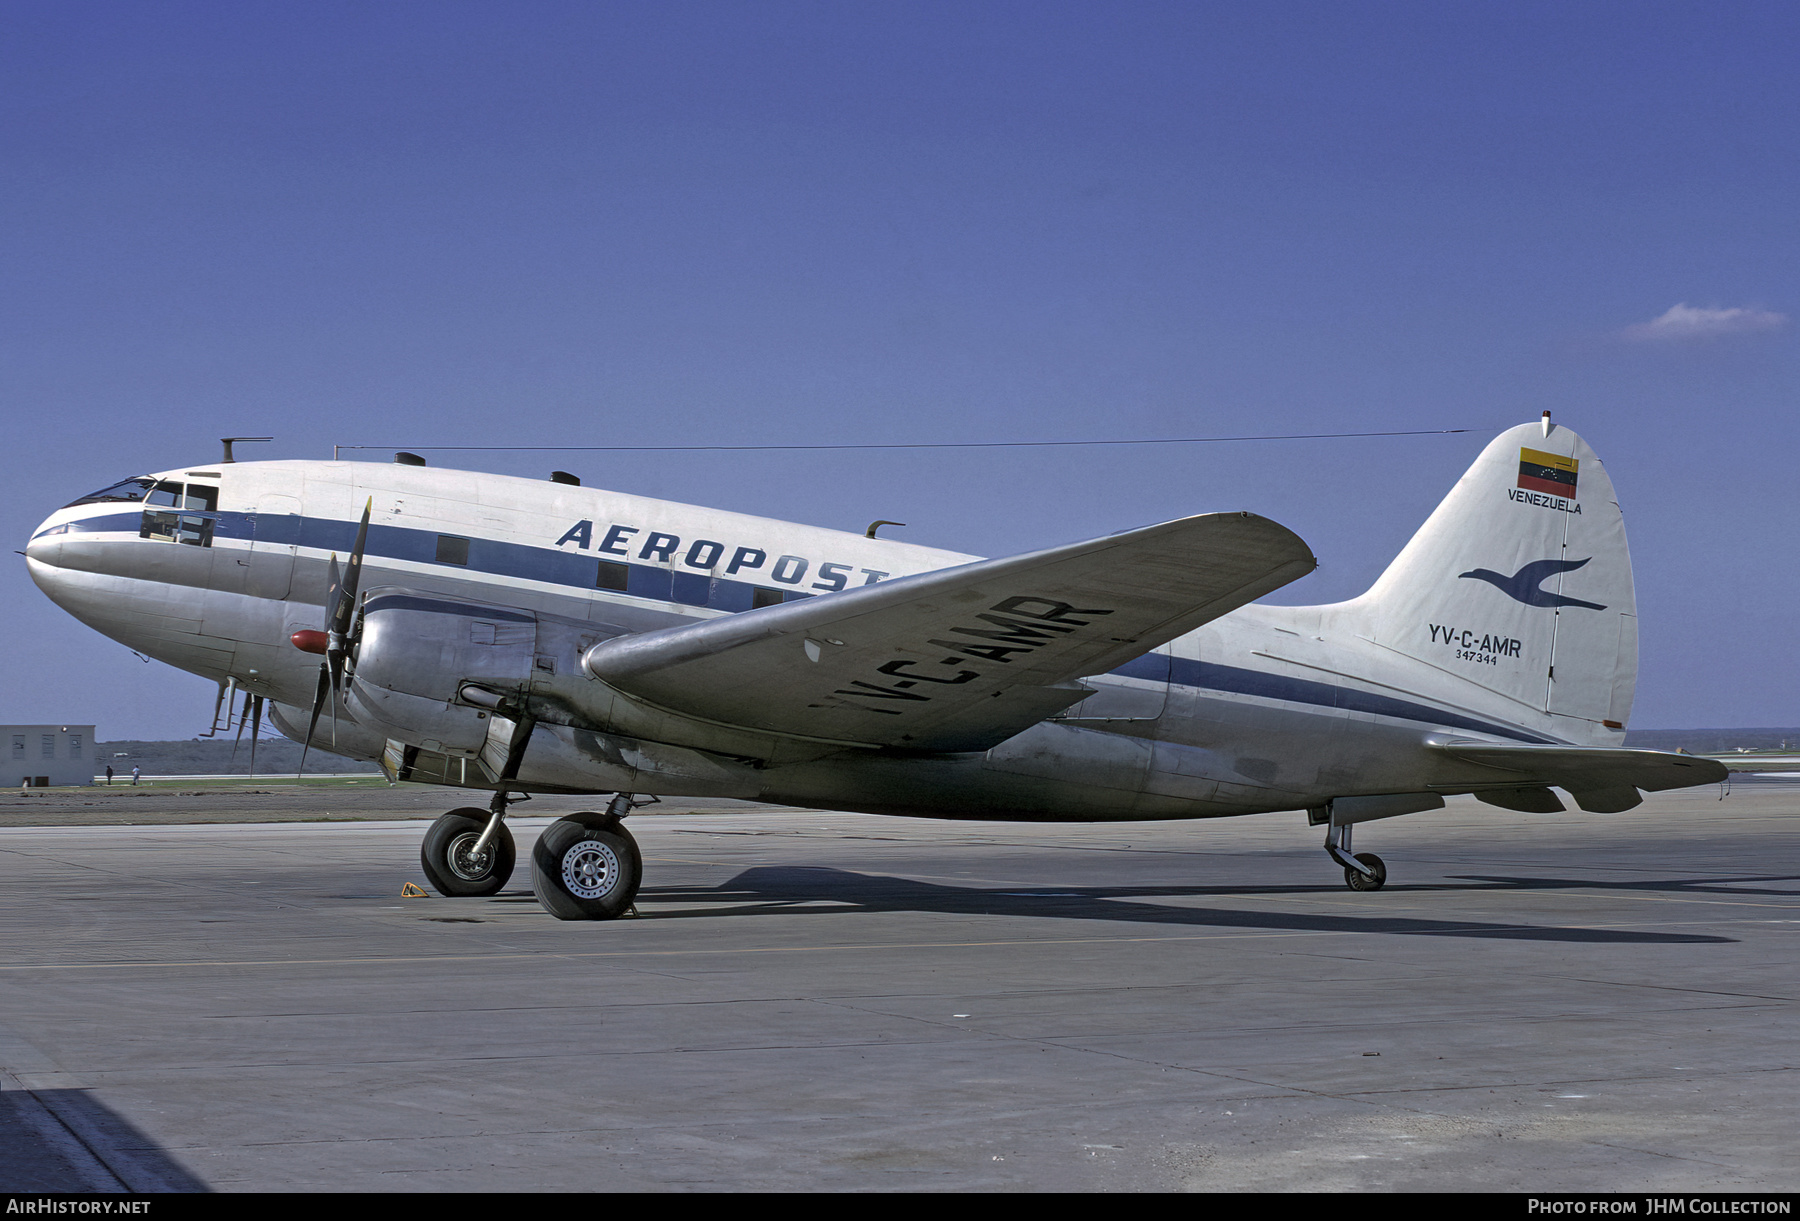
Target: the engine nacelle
pixel 339 735
pixel 418 650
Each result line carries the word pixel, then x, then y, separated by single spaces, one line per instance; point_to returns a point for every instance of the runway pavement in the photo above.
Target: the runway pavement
pixel 816 1001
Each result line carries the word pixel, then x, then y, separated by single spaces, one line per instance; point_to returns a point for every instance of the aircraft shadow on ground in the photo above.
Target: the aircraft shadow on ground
pixel 50 1141
pixel 778 890
pixel 1744 885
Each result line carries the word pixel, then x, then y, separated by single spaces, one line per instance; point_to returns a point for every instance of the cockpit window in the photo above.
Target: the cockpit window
pixel 194 530
pixel 129 491
pixel 164 494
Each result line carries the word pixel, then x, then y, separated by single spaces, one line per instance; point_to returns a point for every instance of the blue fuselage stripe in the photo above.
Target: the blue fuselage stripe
pixel 489 556
pixel 1211 676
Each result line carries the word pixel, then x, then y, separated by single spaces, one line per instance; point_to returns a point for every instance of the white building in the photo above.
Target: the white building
pixel 39 755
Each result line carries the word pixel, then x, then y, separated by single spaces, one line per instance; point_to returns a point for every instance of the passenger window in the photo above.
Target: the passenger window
pixel 452 550
pixel 760 597
pixel 612 576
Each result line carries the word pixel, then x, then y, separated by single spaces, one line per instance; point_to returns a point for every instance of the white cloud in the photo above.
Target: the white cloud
pixel 1687 322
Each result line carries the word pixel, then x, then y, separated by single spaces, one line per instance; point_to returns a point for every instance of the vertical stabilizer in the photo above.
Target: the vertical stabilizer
pixel 1520 585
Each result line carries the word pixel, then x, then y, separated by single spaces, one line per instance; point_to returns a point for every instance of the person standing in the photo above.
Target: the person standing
pixel 109 774
pixel 135 773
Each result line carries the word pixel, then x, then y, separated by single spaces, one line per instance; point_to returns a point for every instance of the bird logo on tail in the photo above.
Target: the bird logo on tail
pixel 1523 585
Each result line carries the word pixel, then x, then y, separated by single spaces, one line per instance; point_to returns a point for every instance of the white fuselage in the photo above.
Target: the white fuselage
pixel 1268 708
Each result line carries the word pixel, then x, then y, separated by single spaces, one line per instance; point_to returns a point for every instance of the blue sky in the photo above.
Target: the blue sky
pixel 588 224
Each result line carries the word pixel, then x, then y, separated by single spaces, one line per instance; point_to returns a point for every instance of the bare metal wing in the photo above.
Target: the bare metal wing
pixel 961 658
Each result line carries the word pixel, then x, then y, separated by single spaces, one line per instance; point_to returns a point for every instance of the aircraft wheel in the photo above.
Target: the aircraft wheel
pixel 586 867
pixel 1359 880
pixel 449 861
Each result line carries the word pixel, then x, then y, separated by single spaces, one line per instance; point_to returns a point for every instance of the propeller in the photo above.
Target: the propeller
pixel 243 716
pixel 320 642
pixel 339 636
pixel 256 706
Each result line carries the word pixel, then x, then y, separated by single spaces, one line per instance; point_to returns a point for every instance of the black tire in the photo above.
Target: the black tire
pixel 1359 880
pixel 586 867
pixel 444 856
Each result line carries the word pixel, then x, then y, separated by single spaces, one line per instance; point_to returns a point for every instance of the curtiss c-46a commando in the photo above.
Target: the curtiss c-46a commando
pixel 493 632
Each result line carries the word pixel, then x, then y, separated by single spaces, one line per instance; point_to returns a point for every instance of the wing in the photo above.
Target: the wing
pixel 1601 778
pixel 961 658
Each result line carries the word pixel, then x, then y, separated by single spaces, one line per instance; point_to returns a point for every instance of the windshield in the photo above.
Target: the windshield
pixel 164 494
pixel 130 490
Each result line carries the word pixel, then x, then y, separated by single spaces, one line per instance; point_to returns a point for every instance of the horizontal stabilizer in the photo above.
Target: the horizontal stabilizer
pixel 961 658
pixel 1743 761
pixel 1601 778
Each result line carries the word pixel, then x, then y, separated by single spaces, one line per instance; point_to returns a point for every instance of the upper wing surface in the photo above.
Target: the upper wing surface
pixel 961 658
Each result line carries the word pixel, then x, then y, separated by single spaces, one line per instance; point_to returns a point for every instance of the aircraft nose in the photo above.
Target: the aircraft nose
pixel 80 572
pixel 43 557
pixel 45 544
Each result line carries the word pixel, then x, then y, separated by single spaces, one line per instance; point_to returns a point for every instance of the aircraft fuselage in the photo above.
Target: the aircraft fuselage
pixel 1268 708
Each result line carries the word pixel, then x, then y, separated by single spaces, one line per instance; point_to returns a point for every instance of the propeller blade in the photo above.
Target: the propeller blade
pixel 343 608
pixel 333 580
pixel 256 702
pixel 318 704
pixel 235 742
pixel 346 600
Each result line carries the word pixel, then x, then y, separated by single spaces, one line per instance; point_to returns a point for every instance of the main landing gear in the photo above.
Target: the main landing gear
pixel 469 852
pixel 587 866
pixel 583 867
pixel 1363 871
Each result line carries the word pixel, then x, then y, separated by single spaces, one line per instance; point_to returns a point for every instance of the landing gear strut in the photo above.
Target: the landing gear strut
pixel 587 866
pixel 1363 871
pixel 469 852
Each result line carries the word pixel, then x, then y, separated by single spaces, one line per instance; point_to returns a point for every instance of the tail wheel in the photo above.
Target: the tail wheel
pixel 1359 880
pixel 586 867
pixel 451 863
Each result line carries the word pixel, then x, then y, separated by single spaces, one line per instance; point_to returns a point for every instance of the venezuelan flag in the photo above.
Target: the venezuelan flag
pixel 1552 474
